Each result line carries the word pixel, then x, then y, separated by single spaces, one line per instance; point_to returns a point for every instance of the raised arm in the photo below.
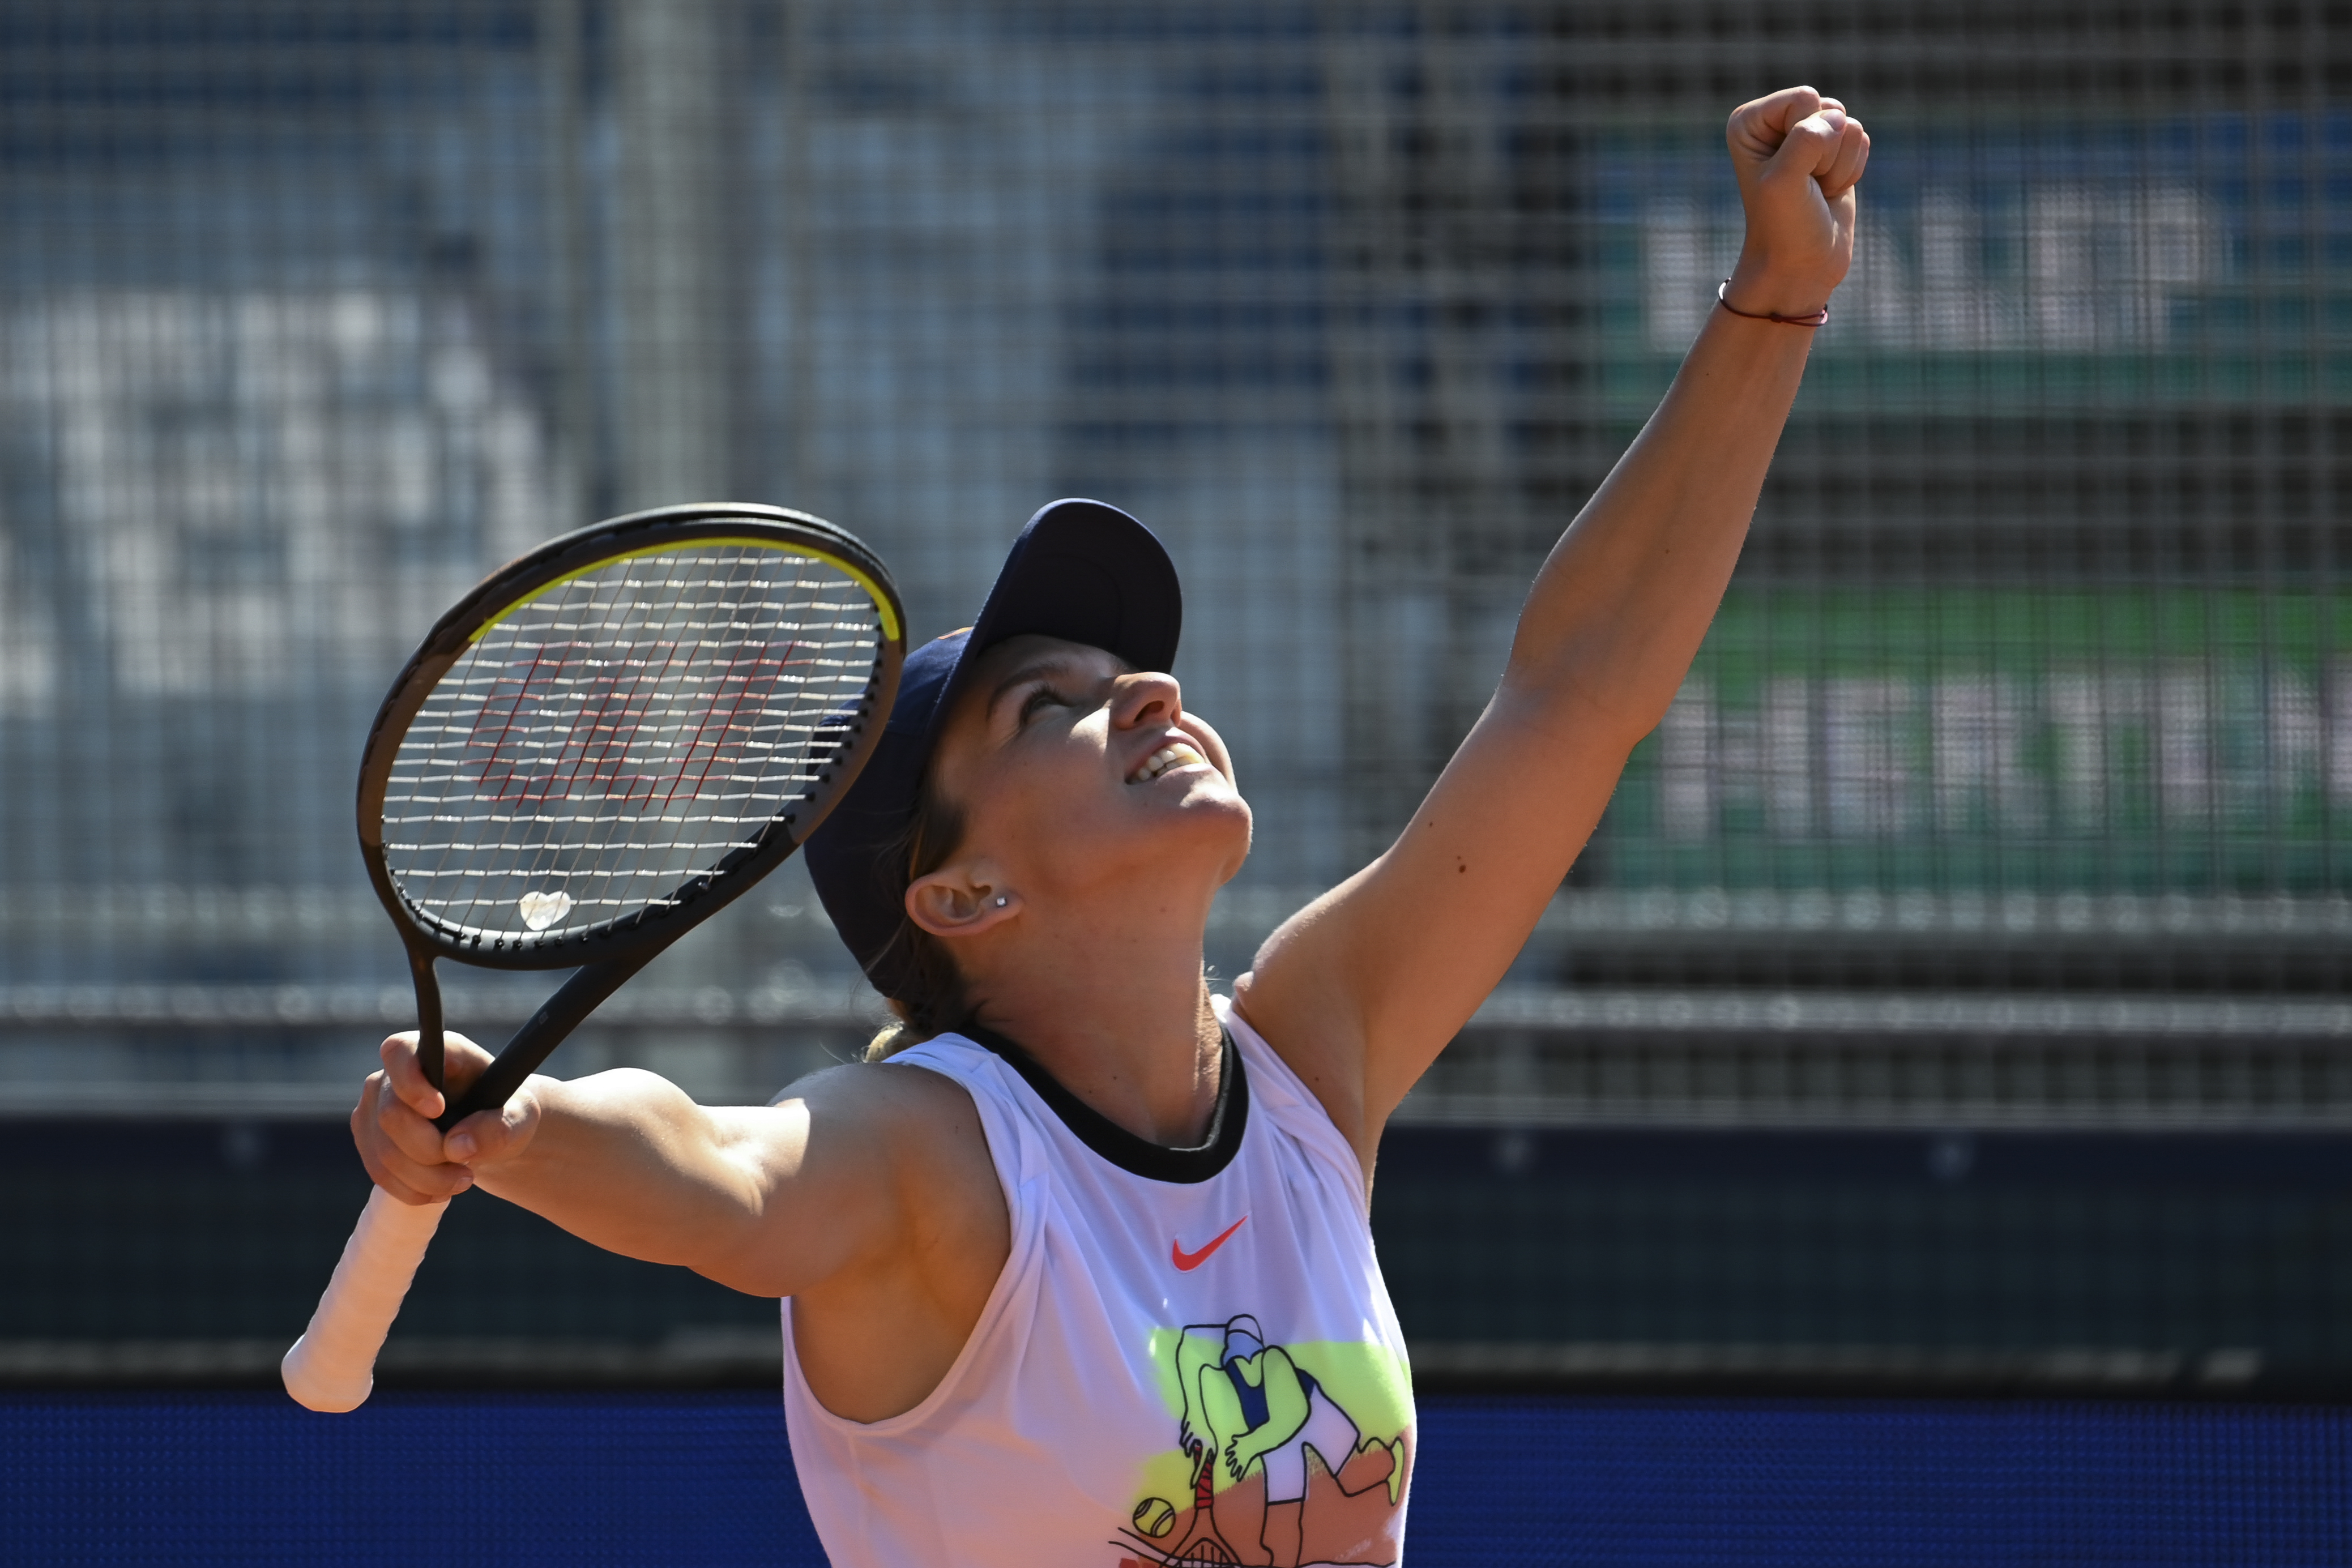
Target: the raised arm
pixel 1362 988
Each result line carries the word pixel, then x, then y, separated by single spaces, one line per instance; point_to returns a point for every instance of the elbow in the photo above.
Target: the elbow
pixel 1580 703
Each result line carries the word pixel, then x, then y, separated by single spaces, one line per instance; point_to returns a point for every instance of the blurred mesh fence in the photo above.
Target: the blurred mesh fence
pixel 2013 789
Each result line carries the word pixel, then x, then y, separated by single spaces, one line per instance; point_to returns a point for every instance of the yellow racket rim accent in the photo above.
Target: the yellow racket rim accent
pixel 799 552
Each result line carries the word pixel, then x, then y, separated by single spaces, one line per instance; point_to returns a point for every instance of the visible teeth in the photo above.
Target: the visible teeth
pixel 1167 757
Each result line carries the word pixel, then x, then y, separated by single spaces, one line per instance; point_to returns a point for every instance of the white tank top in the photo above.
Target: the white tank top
pixel 1189 1357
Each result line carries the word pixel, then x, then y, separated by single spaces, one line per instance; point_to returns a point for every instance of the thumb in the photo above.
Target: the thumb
pixel 499 1134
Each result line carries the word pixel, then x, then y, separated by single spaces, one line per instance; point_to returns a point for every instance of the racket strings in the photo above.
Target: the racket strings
pixel 618 735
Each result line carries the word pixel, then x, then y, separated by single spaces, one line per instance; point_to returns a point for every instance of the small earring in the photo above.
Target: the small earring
pixel 1002 901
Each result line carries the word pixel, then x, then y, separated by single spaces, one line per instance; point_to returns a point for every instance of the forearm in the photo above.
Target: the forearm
pixel 1620 608
pixel 627 1161
pixel 1619 611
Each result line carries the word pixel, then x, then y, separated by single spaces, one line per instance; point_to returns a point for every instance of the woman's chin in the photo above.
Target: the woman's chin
pixel 1206 790
pixel 1236 843
pixel 1218 810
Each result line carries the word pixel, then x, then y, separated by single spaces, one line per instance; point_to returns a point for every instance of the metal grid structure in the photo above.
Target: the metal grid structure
pixel 2011 787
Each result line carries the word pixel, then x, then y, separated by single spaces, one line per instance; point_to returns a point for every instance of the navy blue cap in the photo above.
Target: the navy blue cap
pixel 1081 571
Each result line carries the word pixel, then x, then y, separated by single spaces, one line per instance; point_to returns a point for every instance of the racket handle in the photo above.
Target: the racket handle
pixel 332 1366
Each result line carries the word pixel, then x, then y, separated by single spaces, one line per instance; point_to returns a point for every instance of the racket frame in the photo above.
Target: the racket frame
pixel 608 953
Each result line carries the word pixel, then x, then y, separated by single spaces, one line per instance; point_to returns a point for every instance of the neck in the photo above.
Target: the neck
pixel 1114 1004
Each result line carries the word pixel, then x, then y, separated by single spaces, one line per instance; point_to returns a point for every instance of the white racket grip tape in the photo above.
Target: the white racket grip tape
pixel 332 1366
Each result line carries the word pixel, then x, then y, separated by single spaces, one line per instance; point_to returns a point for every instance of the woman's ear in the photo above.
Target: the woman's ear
pixel 960 900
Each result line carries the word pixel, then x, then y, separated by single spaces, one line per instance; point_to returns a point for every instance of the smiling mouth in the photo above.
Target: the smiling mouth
pixel 1178 755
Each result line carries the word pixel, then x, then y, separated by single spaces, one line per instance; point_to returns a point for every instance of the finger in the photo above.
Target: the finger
pixel 489 1135
pixel 1853 155
pixel 404 1178
pixel 1759 127
pixel 429 1186
pixel 462 1063
pixel 388 1165
pixel 409 1132
pixel 1779 110
pixel 1810 147
pixel 407 1079
pixel 413 1183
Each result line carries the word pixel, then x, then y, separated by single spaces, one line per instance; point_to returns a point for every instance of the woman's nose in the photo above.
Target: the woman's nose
pixel 1146 698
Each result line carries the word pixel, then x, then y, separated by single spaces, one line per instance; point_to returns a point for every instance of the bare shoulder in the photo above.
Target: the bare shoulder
pixel 856 1168
pixel 882 1094
pixel 916 1123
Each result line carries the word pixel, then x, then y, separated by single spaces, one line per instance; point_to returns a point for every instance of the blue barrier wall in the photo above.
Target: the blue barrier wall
pixel 705 1480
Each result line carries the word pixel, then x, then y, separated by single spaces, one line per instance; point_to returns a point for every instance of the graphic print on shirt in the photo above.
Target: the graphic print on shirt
pixel 1287 1456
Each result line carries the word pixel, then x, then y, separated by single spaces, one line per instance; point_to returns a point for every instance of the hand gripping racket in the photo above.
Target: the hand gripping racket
pixel 599 749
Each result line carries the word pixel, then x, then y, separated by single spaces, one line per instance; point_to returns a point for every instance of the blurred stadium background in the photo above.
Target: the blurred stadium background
pixel 1955 996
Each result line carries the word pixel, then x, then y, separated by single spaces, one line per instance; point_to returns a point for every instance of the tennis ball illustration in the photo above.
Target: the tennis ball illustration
pixel 1155 1516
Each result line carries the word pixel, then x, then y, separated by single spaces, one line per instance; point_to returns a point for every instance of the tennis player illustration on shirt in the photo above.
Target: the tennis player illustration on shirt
pixel 1282 1473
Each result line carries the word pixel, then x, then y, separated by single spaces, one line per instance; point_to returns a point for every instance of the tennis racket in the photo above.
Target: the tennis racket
pixel 599 749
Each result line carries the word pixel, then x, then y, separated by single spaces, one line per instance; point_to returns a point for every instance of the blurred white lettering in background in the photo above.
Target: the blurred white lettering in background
pixel 2074 266
pixel 248 488
pixel 2183 744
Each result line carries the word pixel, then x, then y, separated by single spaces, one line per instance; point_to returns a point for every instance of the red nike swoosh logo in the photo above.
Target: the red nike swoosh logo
pixel 1188 1262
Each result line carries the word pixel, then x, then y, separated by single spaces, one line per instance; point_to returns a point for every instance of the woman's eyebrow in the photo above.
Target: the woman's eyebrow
pixel 1046 664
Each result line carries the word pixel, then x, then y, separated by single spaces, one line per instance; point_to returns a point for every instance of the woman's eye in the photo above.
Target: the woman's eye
pixel 1043 697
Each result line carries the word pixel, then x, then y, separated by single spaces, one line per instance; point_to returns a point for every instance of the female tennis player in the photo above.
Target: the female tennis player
pixel 1076 1270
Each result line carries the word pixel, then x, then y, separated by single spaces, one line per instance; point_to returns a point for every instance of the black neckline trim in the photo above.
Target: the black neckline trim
pixel 1137 1155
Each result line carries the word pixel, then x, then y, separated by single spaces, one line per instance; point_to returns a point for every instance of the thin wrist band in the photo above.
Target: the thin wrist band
pixel 1815 319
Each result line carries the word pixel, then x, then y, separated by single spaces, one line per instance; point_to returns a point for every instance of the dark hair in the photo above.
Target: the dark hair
pixel 929 997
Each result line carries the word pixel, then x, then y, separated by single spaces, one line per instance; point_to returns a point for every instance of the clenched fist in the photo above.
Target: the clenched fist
pixel 392 1124
pixel 1797 156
